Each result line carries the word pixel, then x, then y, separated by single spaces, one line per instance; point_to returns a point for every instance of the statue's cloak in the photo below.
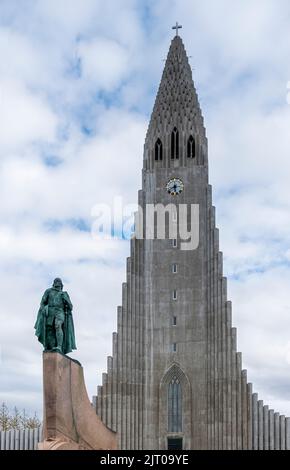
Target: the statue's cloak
pixel 69 342
pixel 40 325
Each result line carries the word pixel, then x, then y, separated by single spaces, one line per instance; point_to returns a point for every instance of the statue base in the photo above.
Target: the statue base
pixel 69 420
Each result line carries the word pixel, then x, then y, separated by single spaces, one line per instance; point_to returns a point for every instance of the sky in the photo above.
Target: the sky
pixel 78 79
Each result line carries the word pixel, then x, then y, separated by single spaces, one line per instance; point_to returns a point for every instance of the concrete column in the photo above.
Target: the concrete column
pixel 135 325
pixel 142 390
pixel 119 376
pixel 131 347
pixel 212 329
pixel 129 352
pixel 234 389
pixel 138 345
pixel 136 310
pixel 109 391
pixel 287 432
pixel 100 400
pixel 277 431
pixel 105 398
pixel 209 343
pixel 239 401
pixel 282 433
pixel 266 427
pixel 229 375
pixel 123 376
pixel 216 328
pixel 114 382
pixel 260 425
pixel 95 402
pixel 255 421
pixel 225 403
pixel 124 366
pixel 131 355
pixel 219 308
pixel 244 411
pixel 271 430
pixel 134 316
pixel 209 324
pixel 250 416
pixel 136 339
pixel 142 350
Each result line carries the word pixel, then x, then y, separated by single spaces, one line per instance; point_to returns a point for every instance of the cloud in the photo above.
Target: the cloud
pixel 103 62
pixel 24 117
pixel 67 16
pixel 34 191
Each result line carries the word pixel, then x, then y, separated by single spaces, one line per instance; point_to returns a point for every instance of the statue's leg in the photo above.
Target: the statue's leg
pixel 59 333
pixel 50 337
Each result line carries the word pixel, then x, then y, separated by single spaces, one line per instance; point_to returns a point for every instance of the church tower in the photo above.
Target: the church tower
pixel 175 378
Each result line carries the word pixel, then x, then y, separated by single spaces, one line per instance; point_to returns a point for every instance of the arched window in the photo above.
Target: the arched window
pixel 158 151
pixel 174 406
pixel 175 144
pixel 191 147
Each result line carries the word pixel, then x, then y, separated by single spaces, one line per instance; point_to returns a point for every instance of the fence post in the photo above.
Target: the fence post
pixel 12 439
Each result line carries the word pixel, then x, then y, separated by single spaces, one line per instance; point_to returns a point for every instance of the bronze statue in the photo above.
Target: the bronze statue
pixel 54 325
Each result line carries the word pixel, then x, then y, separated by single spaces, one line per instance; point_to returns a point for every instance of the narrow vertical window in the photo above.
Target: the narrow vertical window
pixel 174 243
pixel 174 268
pixel 158 151
pixel 191 147
pixel 174 321
pixel 174 295
pixel 174 347
pixel 174 406
pixel 175 144
pixel 174 216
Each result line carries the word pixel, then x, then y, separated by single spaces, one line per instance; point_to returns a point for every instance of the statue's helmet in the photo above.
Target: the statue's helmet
pixel 58 283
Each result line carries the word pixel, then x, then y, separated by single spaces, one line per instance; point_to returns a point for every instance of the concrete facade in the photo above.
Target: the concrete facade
pixel 178 325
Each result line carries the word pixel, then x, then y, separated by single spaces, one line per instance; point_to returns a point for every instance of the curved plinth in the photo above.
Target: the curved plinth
pixel 70 421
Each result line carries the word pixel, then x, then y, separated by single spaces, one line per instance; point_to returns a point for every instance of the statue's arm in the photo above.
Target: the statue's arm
pixel 67 301
pixel 44 300
pixel 42 310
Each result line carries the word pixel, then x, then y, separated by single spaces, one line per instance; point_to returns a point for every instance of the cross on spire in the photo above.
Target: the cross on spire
pixel 177 27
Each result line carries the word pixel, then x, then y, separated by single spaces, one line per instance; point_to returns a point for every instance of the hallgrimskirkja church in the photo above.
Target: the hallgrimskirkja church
pixel 175 379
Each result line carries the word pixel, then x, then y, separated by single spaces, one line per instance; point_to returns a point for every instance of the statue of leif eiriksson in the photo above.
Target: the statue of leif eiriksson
pixel 54 326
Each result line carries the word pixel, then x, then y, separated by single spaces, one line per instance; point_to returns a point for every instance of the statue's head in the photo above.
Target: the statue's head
pixel 57 283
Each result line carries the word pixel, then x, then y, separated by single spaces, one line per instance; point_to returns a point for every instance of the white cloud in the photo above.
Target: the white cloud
pixel 34 191
pixel 103 62
pixel 20 57
pixel 43 247
pixel 24 117
pixel 67 15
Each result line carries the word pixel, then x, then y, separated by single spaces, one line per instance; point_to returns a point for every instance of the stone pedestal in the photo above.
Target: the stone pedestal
pixel 70 421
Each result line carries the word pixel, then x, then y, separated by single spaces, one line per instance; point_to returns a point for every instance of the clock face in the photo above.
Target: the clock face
pixel 174 186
